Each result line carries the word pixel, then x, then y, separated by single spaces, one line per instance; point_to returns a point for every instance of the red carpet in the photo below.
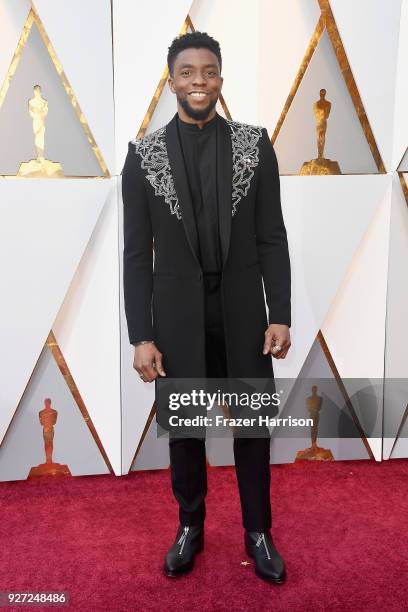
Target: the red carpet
pixel 341 527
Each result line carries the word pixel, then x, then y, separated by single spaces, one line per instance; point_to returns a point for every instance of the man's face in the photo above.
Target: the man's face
pixel 196 81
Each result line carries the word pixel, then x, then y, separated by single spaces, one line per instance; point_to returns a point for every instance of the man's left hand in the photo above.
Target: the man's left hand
pixel 277 340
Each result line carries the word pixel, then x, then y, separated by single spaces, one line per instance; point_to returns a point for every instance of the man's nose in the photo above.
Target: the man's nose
pixel 199 79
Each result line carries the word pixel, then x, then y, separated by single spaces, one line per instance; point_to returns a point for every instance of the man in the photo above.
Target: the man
pixel 206 191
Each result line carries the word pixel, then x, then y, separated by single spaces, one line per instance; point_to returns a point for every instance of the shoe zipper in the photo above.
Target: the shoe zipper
pixel 262 539
pixel 182 540
pixel 267 551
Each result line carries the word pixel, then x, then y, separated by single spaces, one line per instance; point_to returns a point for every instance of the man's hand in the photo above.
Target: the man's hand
pixel 148 362
pixel 277 340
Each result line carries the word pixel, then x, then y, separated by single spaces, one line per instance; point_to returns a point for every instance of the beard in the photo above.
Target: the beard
pixel 198 115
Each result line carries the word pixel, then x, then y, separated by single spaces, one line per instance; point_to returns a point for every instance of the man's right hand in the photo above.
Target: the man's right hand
pixel 148 362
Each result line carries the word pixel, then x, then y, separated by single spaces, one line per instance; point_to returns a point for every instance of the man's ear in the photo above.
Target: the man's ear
pixel 171 84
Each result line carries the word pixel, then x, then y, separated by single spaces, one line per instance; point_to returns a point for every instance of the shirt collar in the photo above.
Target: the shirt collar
pixel 193 127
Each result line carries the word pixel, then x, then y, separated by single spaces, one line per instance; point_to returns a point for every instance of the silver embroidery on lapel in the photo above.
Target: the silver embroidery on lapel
pixel 245 157
pixel 153 151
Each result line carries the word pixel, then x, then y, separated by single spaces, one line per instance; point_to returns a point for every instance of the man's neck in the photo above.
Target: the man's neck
pixel 199 123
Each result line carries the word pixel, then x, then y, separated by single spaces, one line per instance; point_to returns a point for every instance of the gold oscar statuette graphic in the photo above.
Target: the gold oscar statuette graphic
pixel 48 418
pixel 314 453
pixel 39 167
pixel 321 165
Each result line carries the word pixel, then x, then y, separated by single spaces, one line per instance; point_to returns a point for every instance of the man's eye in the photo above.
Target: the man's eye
pixel 185 73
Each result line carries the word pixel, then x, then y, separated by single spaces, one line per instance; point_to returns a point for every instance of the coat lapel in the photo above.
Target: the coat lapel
pixel 178 172
pixel 224 184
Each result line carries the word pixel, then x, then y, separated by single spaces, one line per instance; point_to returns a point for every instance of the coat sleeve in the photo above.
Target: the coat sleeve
pixel 271 236
pixel 137 250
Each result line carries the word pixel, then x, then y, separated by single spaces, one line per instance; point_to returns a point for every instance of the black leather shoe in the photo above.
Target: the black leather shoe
pixel 180 558
pixel 269 564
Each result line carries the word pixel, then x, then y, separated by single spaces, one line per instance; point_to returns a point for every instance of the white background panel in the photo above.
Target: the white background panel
pixel 165 109
pixel 154 452
pixel 80 33
pixel 401 95
pixel 12 18
pixel 285 30
pixel 396 348
pixel 354 328
pixel 44 228
pixel 143 31
pixel 400 449
pixel 326 218
pixel 238 39
pixel 87 329
pixel 369 30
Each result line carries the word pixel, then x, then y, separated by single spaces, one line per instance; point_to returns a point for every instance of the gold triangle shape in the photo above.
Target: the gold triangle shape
pixel 327 23
pixel 401 160
pixel 33 17
pixel 404 185
pixel 400 428
pixel 56 352
pixel 144 434
pixel 344 393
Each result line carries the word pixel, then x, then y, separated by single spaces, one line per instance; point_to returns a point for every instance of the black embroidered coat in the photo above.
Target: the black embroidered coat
pixel 166 304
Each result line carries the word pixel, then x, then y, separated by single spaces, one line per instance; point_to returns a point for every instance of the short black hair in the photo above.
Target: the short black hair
pixel 195 40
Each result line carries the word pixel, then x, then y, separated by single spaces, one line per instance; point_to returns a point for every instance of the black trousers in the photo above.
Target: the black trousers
pixel 252 455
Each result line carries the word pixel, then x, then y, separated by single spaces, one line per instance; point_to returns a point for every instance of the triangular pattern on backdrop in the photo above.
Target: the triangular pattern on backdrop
pixel 342 423
pixel 395 439
pixel 40 267
pixel 86 309
pixel 359 308
pixel 371 34
pixel 399 448
pixel 152 453
pixel 65 438
pixel 35 63
pixel 355 154
pixel 88 63
pixel 403 176
pixel 360 304
pixel 330 203
pixel 13 16
pixel 403 166
pixel 314 314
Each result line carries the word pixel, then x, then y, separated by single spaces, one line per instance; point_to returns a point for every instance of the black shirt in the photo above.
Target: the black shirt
pixel 199 147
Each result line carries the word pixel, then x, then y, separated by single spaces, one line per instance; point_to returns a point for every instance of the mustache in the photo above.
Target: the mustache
pixel 197 114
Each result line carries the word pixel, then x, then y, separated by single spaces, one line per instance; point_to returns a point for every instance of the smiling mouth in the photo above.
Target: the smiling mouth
pixel 198 95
